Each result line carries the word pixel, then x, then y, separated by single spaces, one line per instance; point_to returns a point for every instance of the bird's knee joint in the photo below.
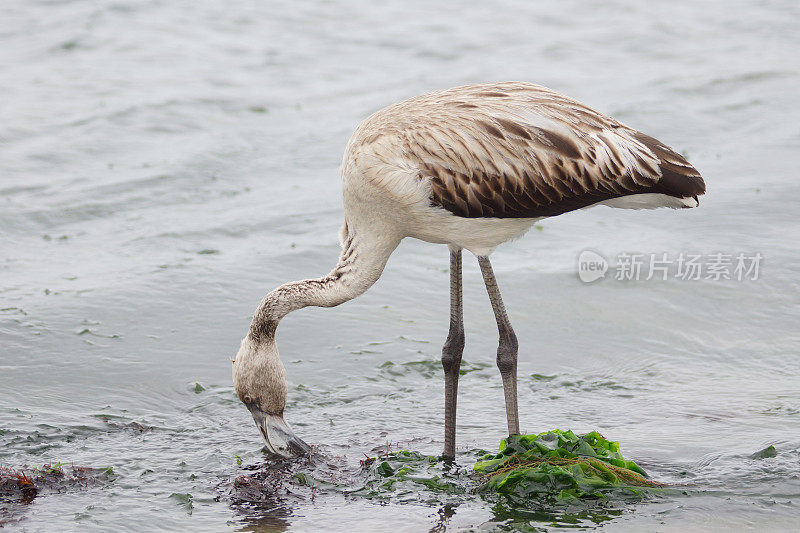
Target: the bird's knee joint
pixel 508 344
pixel 455 341
pixel 453 350
pixel 450 362
pixel 507 353
pixel 506 364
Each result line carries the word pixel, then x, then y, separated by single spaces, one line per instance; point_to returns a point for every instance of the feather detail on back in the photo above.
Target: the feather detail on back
pixel 518 150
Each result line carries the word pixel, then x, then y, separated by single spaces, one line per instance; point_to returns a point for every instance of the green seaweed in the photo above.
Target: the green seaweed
pixel 561 464
pixel 557 466
pixel 766 453
pixel 402 474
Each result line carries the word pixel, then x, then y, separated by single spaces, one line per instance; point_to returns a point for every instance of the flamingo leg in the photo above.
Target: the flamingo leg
pixel 451 354
pixel 507 348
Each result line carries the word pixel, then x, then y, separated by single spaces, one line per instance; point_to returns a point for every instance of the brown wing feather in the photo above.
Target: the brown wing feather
pixel 516 150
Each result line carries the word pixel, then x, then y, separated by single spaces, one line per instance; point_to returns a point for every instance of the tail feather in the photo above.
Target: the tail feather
pixel 678 177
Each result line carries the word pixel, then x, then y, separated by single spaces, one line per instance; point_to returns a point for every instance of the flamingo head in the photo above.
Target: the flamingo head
pixel 260 381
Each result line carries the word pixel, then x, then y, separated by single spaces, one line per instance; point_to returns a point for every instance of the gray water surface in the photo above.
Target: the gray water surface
pixel 164 164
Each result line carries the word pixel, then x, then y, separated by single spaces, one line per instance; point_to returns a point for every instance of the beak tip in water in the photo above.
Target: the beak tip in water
pixel 278 436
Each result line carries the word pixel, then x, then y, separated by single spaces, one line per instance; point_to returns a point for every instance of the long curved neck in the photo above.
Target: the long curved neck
pixel 360 265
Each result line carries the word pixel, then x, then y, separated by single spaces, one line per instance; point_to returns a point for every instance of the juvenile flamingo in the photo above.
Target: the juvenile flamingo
pixel 470 167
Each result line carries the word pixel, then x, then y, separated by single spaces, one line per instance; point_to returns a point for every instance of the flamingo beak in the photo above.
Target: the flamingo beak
pixel 278 436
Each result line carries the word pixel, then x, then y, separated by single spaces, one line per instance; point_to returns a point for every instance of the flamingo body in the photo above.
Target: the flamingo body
pixel 477 165
pixel 470 167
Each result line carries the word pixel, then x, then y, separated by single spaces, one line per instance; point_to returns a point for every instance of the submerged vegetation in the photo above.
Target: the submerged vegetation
pixel 405 475
pixel 561 464
pixel 555 465
pixel 23 485
pixel 553 477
